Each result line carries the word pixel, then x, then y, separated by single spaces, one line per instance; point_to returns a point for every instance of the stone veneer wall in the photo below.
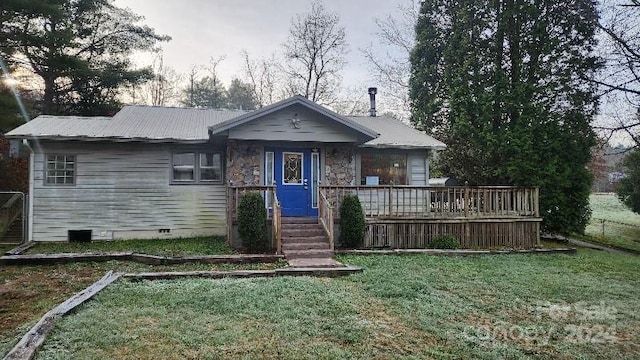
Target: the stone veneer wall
pixel 340 165
pixel 243 163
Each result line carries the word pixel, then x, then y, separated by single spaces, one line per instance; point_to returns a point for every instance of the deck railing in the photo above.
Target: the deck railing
pixel 276 222
pixel 438 201
pixel 325 217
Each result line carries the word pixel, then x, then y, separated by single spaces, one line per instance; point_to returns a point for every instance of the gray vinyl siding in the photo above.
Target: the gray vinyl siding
pixel 123 191
pixel 278 127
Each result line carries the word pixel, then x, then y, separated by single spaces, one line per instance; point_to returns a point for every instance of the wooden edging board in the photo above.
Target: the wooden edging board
pixel 32 340
pixel 456 252
pixel 39 259
pixel 26 348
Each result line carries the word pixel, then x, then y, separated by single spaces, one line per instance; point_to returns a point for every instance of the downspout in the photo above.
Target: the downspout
pixel 29 234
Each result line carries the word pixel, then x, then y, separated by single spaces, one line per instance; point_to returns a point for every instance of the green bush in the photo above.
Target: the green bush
pixel 352 224
pixel 252 222
pixel 445 242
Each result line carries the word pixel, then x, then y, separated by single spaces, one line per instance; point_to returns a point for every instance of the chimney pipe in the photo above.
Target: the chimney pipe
pixel 372 98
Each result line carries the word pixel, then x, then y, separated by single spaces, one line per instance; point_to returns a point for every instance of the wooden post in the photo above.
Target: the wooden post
pixel 391 200
pixel 229 215
pixel 466 199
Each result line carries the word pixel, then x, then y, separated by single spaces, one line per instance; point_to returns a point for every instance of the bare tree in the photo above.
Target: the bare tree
pixel 620 79
pixel 389 57
pixel 163 89
pixel 207 91
pixel 315 51
pixel 262 75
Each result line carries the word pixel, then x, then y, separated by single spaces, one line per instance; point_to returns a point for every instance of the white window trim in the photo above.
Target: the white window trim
pixel 46 170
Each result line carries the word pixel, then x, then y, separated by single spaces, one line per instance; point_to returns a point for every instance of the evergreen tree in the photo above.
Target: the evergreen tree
pixel 207 92
pixel 629 187
pixel 240 96
pixel 501 82
pixel 79 48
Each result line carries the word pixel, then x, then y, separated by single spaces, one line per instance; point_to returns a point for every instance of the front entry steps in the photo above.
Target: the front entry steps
pixel 304 243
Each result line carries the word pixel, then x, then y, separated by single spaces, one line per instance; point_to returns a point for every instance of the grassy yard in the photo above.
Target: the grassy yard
pixel 165 247
pixel 608 207
pixel 6 247
pixel 411 306
pixel 28 292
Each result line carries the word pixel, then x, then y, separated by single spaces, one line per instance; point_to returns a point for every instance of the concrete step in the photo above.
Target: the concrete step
pixel 305 246
pixel 314 263
pixel 305 254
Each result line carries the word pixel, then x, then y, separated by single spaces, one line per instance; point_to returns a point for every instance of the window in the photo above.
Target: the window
pixel 210 167
pixel 207 168
pixel 60 170
pixel 383 168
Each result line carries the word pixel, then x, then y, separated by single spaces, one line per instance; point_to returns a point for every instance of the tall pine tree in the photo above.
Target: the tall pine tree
pixel 80 50
pixel 501 82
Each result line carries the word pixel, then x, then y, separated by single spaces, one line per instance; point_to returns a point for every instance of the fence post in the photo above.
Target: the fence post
pixel 603 220
pixel 391 200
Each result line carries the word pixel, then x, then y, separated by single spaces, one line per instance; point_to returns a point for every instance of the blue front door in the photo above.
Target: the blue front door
pixel 296 174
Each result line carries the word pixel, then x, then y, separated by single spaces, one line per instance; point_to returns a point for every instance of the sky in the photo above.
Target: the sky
pixel 202 29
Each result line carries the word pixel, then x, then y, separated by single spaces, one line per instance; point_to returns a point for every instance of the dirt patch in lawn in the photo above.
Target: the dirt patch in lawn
pixel 28 292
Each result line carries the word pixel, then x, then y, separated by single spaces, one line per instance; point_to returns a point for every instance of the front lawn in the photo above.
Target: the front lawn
pixel 409 306
pixel 215 245
pixel 28 292
pixel 607 207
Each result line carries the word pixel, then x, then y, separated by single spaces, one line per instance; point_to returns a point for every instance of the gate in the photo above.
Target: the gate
pixel 13 217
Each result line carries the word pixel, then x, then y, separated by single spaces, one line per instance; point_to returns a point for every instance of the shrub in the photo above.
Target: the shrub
pixel 352 224
pixel 252 222
pixel 445 242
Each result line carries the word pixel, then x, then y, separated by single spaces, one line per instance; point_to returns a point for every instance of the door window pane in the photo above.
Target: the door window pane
pixel 292 168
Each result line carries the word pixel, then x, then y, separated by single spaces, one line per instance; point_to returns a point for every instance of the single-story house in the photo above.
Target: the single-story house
pixel 153 171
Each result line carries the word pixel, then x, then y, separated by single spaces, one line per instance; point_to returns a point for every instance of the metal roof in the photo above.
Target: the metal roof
pixel 132 123
pixel 172 124
pixel 396 134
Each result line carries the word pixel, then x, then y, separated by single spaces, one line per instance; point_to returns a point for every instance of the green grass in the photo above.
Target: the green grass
pixel 6 247
pixel 28 292
pixel 410 306
pixel 165 247
pixel 608 207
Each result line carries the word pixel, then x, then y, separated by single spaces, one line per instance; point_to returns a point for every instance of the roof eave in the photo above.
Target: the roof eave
pixel 112 139
pixel 404 147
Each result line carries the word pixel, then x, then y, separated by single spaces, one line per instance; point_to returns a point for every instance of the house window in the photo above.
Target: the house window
pixel 210 167
pixel 383 168
pixel 60 170
pixel 196 167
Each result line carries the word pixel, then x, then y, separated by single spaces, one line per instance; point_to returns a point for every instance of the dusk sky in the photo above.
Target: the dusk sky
pixel 201 29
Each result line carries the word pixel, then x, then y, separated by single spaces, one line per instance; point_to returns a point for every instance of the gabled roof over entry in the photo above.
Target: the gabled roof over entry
pixel 365 132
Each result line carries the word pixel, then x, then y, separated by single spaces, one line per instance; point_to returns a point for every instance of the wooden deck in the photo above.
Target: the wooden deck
pixel 409 217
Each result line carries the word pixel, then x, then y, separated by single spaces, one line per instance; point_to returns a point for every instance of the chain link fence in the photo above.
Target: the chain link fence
pixel 13 217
